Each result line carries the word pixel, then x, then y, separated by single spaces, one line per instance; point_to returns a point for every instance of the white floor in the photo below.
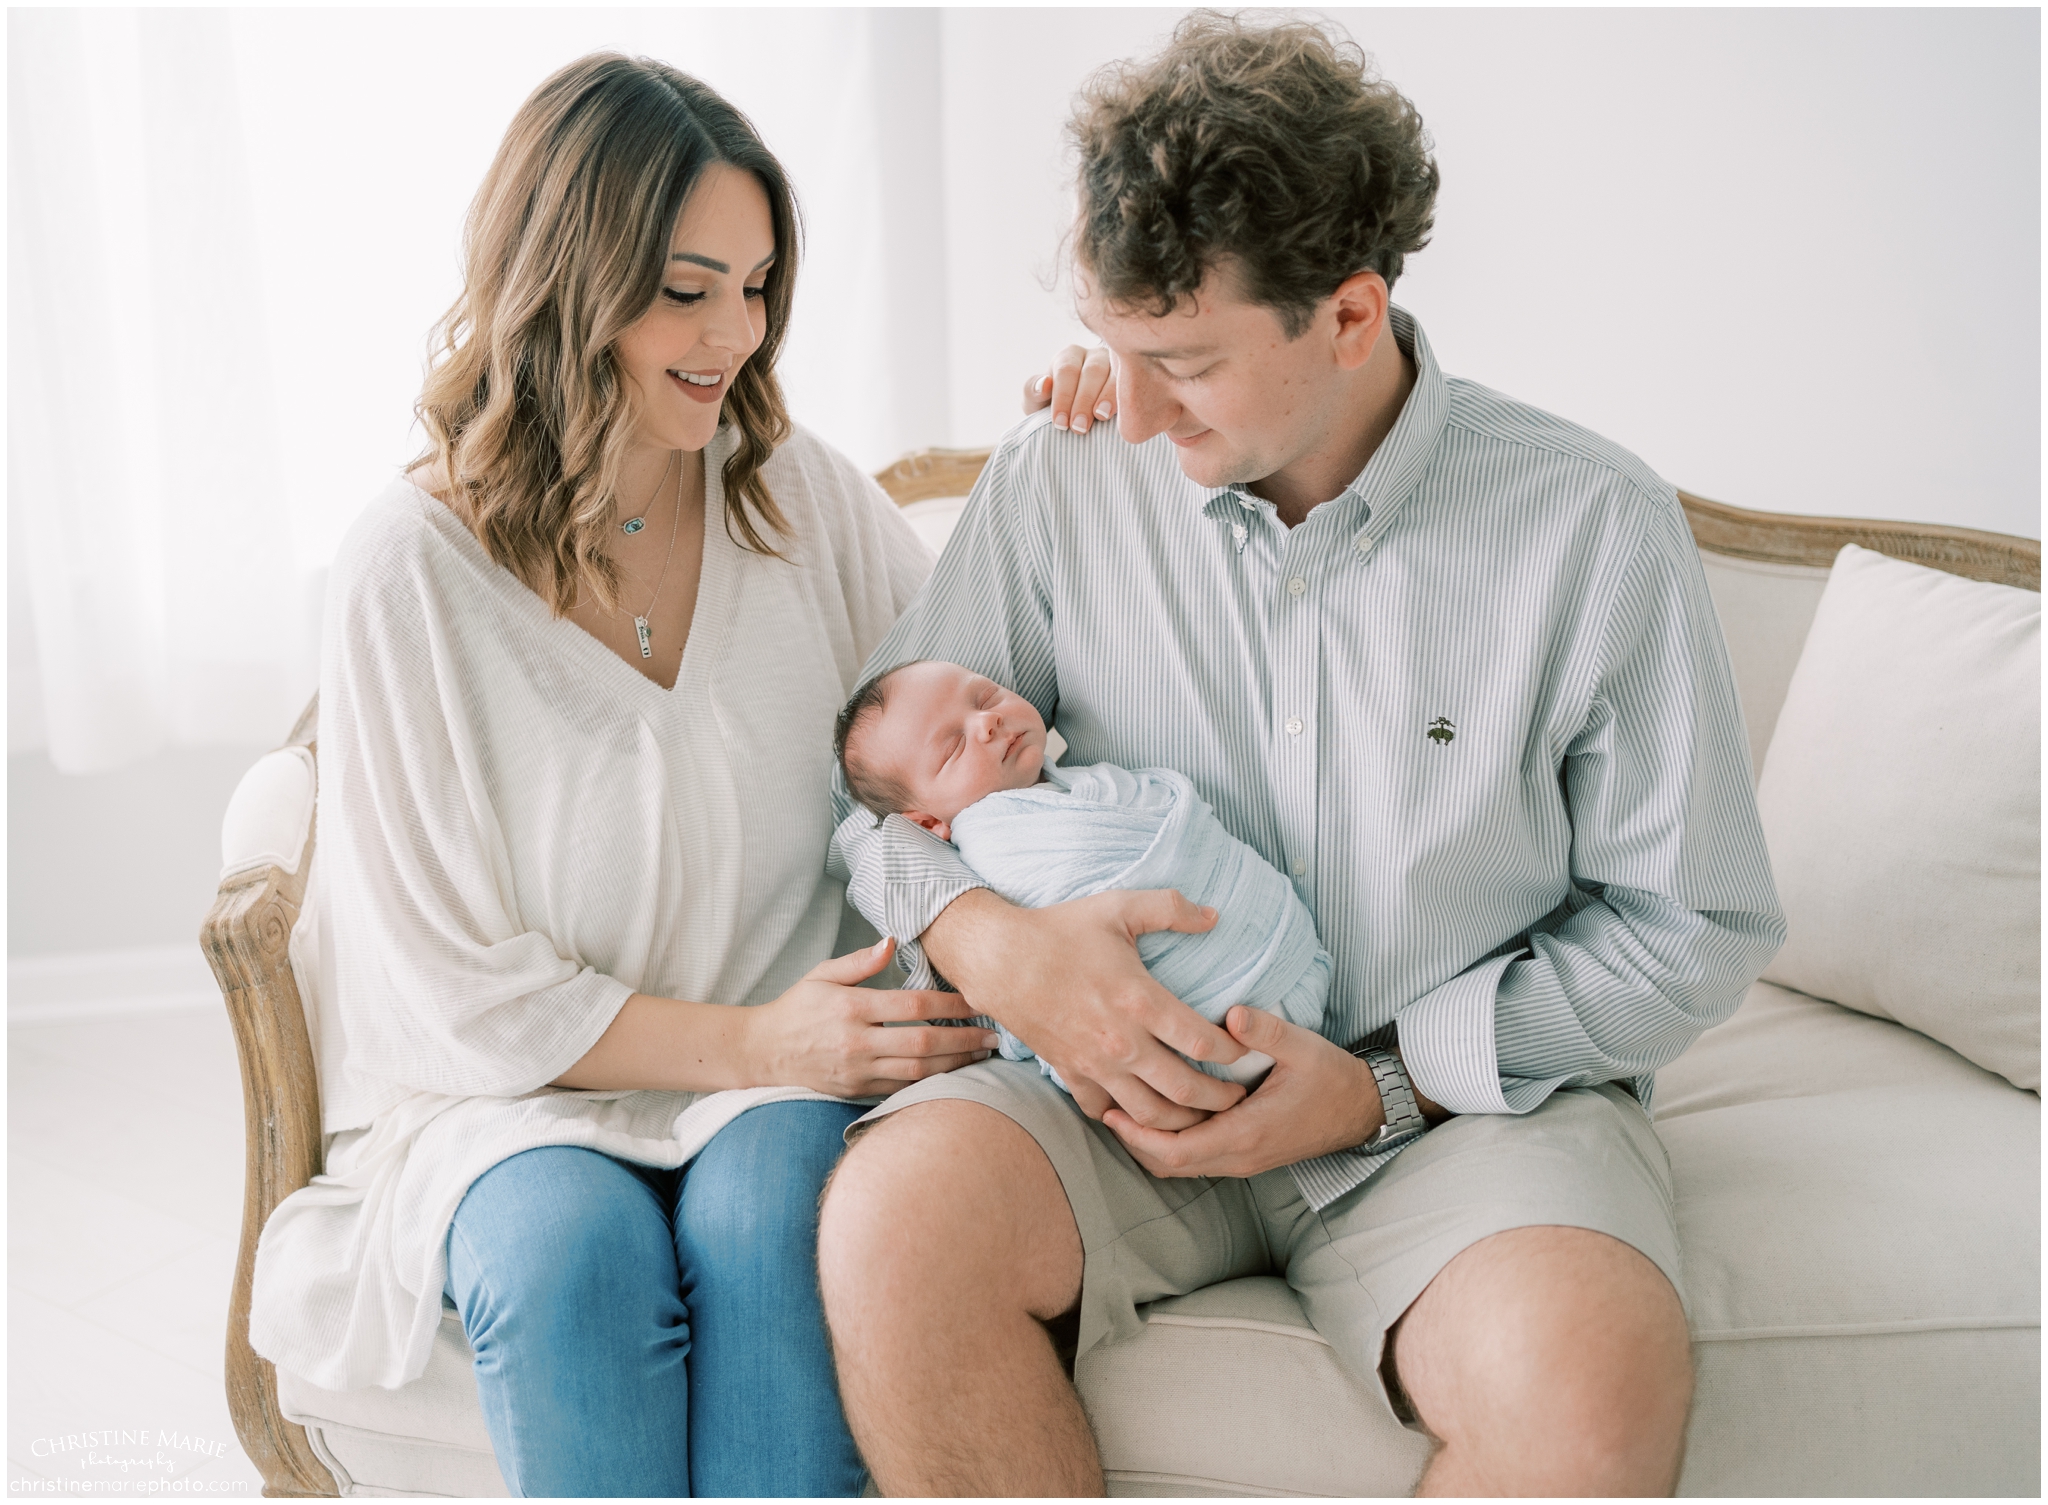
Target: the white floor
pixel 124 1200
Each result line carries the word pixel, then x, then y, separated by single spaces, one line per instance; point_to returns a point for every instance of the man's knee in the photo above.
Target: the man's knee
pixel 888 1180
pixel 1561 1343
pixel 944 1193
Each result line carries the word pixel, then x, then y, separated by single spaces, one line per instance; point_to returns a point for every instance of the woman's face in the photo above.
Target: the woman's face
pixel 710 314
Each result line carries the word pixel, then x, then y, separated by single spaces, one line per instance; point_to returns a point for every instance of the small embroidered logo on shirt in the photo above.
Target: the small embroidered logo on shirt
pixel 1441 730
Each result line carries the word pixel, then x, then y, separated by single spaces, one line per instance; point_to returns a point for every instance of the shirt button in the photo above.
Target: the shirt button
pixel 1300 868
pixel 1296 586
pixel 1294 726
pixel 1365 548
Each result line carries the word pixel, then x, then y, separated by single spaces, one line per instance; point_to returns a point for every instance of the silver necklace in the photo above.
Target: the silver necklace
pixel 675 527
pixel 634 524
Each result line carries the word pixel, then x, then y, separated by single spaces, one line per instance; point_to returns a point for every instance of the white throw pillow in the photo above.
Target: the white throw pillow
pixel 269 814
pixel 1901 799
pixel 933 519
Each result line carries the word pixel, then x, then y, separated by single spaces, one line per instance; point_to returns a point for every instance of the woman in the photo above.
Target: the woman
pixel 579 673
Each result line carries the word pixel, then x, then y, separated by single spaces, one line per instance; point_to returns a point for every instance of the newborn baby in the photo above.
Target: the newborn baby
pixel 965 758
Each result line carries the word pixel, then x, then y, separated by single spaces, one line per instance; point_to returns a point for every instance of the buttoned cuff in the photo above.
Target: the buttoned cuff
pixel 1448 1045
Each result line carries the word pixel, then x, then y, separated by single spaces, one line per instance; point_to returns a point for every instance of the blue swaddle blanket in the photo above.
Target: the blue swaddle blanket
pixel 1090 829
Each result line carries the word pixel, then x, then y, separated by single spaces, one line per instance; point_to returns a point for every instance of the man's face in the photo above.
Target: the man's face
pixel 1219 377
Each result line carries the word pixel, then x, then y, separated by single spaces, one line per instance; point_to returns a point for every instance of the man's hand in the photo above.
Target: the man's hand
pixel 1318 1098
pixel 1067 981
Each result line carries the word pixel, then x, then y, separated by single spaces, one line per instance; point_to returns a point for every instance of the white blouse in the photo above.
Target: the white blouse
pixel 518 831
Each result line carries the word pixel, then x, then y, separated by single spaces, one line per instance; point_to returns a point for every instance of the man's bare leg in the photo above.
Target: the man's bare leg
pixel 945 1243
pixel 1549 1361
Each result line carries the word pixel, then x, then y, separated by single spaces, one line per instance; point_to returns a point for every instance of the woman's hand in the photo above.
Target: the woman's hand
pixel 833 1037
pixel 824 1033
pixel 1081 389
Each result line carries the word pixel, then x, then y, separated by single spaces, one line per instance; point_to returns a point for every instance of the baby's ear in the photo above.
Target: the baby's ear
pixel 931 823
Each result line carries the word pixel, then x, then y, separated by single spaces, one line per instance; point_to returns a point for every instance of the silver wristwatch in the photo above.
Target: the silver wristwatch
pixel 1405 1122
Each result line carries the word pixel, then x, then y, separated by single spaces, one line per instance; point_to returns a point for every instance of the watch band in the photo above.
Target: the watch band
pixel 1404 1120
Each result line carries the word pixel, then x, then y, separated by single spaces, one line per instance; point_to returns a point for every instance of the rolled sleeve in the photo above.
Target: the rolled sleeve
pixel 900 877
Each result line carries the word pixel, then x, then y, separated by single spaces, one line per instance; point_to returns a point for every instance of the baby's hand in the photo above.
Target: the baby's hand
pixel 1249 1069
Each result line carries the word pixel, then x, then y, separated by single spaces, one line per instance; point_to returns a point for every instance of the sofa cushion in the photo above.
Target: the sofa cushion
pixel 1901 801
pixel 1859 1210
pixel 1837 1172
pixel 1765 611
pixel 426 1438
pixel 1230 1391
pixel 378 1464
pixel 1859 1213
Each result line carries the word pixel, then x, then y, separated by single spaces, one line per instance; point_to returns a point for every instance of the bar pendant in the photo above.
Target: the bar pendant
pixel 646 638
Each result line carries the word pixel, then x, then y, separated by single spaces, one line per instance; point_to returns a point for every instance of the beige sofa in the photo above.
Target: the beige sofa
pixel 1858 1203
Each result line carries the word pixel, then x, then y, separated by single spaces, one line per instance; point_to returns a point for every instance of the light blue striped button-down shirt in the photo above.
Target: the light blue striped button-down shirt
pixel 1477 707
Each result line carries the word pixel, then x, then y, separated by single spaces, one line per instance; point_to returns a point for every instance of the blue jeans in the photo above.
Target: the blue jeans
pixel 648 1332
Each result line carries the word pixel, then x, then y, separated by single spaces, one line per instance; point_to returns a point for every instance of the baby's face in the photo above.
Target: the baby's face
pixel 951 736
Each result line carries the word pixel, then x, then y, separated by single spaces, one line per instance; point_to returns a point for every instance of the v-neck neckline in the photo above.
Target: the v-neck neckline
pixel 708 617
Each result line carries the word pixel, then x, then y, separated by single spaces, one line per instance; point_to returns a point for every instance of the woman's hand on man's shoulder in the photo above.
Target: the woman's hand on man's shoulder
pixel 1080 389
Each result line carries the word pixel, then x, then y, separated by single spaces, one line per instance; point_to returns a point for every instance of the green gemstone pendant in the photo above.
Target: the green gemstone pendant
pixel 633 524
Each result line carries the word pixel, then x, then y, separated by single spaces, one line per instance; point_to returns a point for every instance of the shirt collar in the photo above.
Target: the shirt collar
pixel 1390 475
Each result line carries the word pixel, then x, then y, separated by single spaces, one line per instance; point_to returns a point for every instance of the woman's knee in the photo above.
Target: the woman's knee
pixel 559 1235
pixel 755 1187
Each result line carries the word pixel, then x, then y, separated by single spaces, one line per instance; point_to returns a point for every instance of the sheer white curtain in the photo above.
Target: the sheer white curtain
pixel 229 232
pixel 156 565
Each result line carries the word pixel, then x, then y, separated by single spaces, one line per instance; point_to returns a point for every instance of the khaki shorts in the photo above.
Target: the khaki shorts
pixel 1587 1158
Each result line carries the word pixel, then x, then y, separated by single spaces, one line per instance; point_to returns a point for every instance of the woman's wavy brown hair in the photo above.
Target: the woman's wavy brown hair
pixel 525 407
pixel 1270 146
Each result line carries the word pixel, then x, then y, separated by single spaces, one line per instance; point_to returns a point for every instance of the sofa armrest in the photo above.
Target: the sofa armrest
pixel 247 939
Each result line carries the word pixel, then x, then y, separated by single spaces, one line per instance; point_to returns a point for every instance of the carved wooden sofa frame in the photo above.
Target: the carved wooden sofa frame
pixel 246 933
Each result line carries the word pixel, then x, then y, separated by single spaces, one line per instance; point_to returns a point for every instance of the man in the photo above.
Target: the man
pixel 1448 662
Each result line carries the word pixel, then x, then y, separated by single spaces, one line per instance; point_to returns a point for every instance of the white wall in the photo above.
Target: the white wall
pixel 235 229
pixel 365 218
pixel 116 860
pixel 1790 257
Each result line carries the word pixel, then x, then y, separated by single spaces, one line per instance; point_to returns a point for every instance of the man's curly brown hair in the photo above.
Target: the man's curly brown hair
pixel 1274 147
